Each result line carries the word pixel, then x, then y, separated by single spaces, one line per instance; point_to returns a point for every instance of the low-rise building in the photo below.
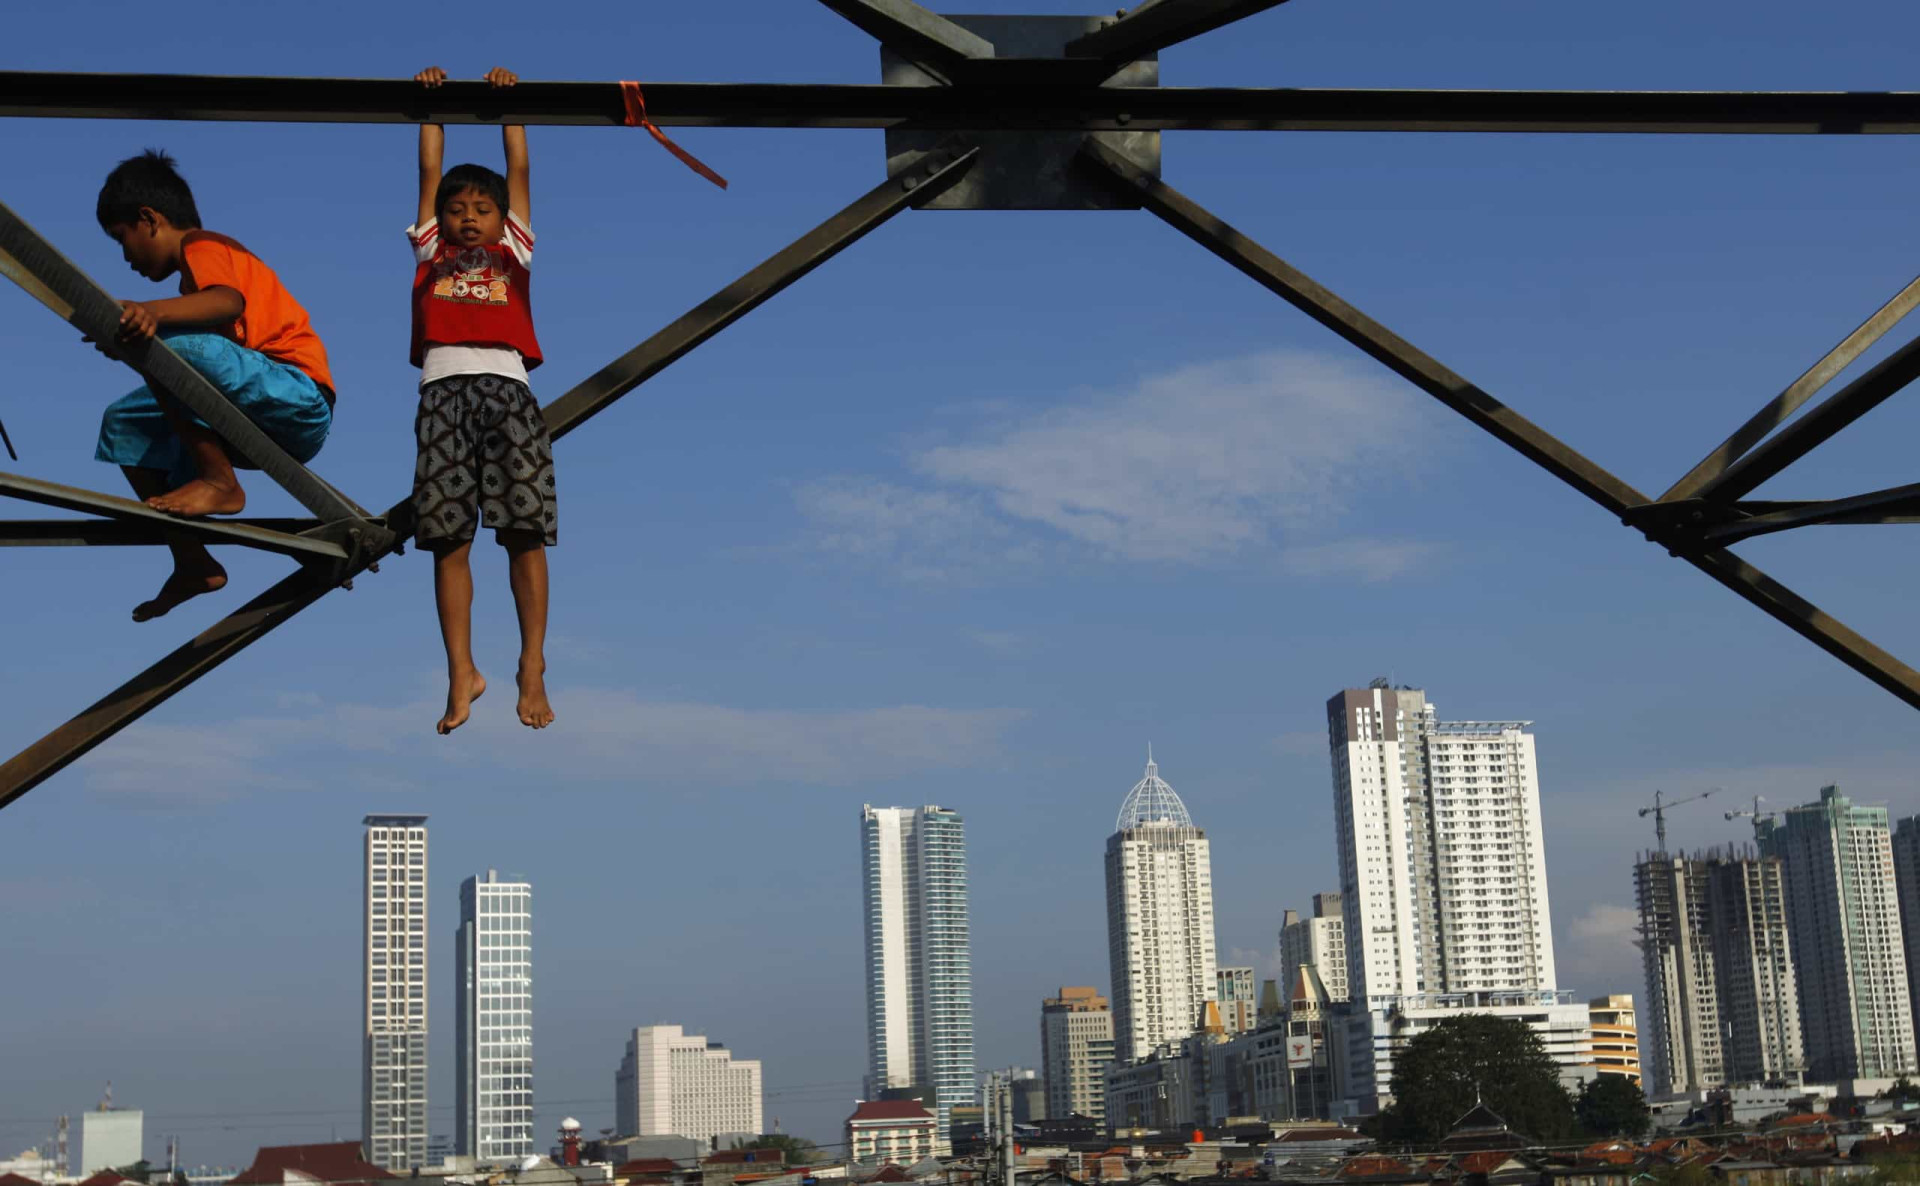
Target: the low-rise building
pixel 1616 1040
pixel 1365 1073
pixel 900 1132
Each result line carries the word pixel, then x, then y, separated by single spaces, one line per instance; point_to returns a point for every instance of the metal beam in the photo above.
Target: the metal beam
pixel 1799 392
pixel 1156 24
pixel 1073 106
pixel 937 170
pixel 911 31
pixel 146 691
pixel 1831 415
pixel 1897 504
pixel 122 533
pixel 159 524
pixel 95 312
pixel 1279 277
pixel 1404 359
pixel 1811 622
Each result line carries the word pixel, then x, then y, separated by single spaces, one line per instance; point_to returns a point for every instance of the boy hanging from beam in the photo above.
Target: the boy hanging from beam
pixel 485 456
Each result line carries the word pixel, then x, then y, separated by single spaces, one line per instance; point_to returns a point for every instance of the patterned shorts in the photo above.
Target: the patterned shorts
pixel 485 460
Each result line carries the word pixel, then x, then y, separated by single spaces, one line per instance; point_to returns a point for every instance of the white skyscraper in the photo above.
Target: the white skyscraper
pixel 1442 861
pixel 672 1083
pixel 1076 1047
pixel 918 962
pixel 1843 914
pixel 493 1020
pixel 1159 919
pixel 393 1086
pixel 1320 941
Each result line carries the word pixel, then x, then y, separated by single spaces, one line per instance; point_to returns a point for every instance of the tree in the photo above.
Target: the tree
pixel 1613 1106
pixel 1902 1090
pixel 799 1150
pixel 1441 1073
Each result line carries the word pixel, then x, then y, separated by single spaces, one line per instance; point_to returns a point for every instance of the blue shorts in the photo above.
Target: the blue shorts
pixel 283 400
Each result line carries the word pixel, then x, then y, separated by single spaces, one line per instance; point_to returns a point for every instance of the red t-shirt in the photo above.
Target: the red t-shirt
pixel 474 296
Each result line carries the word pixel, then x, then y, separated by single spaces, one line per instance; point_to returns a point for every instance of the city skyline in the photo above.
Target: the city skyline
pixel 812 566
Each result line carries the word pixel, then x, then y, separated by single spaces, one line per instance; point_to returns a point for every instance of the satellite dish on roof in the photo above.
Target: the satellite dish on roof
pixel 531 1163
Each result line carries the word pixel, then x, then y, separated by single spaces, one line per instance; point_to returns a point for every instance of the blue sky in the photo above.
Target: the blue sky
pixel 969 516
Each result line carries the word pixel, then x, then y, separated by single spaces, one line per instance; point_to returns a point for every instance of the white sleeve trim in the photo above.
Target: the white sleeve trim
pixel 519 239
pixel 425 241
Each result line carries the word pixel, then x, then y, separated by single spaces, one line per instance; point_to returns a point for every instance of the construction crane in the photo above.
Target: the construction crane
pixel 1659 812
pixel 1754 813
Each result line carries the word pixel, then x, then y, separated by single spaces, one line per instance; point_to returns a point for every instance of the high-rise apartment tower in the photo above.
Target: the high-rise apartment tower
pixel 1849 948
pixel 919 967
pixel 1320 941
pixel 493 1020
pixel 393 1083
pixel 1721 1005
pixel 1442 862
pixel 1076 1046
pixel 1159 919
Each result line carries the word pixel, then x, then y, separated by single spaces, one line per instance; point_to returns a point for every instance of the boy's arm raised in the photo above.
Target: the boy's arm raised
pixel 513 138
pixel 433 140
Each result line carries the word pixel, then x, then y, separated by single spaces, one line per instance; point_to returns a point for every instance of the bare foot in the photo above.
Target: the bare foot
pixel 200 497
pixel 184 585
pixel 461 693
pixel 535 712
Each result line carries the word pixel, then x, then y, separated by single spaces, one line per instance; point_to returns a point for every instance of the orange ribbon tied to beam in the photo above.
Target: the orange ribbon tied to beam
pixel 637 118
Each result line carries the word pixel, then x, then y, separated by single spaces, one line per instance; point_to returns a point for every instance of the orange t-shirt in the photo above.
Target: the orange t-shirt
pixel 274 323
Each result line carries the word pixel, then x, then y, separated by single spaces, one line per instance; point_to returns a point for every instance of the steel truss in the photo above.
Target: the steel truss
pixel 977 94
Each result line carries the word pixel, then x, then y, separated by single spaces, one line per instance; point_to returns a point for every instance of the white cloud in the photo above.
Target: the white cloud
pixel 1266 963
pixel 1202 463
pixel 603 735
pixel 1370 560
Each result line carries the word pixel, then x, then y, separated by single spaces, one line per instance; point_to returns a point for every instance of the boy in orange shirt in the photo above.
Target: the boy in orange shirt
pixel 235 323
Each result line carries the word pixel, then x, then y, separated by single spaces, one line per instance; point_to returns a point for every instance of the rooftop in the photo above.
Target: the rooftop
pixel 1152 802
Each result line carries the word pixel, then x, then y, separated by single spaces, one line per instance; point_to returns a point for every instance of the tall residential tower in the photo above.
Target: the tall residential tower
pixel 919 967
pixel 1076 1046
pixel 493 1020
pixel 1159 919
pixel 1442 861
pixel 1844 916
pixel 393 1081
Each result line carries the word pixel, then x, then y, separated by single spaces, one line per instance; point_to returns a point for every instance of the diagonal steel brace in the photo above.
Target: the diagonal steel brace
pixel 1529 439
pixel 32 262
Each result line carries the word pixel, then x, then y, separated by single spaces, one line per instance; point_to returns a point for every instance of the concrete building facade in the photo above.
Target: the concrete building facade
pixel 1442 853
pixel 1238 999
pixel 1616 1037
pixel 1076 1046
pixel 919 967
pixel 110 1139
pixel 493 1020
pixel 672 1083
pixel 1160 940
pixel 1320 941
pixel 393 1084
pixel 1843 913
pixel 900 1132
pixel 1375 1037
